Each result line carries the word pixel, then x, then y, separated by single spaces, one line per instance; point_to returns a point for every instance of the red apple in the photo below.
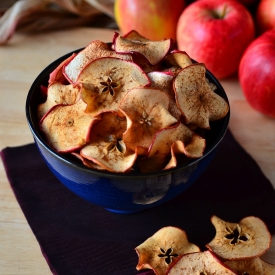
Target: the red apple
pixel 256 73
pixel 265 15
pixel 216 33
pixel 153 19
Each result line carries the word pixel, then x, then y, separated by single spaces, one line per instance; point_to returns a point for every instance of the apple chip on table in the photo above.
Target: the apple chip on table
pixel 114 106
pixel 235 249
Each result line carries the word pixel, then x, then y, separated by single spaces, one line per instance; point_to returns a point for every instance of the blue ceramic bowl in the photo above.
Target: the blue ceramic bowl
pixel 120 193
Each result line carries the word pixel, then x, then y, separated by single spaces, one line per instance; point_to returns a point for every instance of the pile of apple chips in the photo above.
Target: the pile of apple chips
pixel 134 104
pixel 235 250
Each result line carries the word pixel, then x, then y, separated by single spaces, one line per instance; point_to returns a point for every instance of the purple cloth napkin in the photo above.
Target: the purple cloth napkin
pixel 77 237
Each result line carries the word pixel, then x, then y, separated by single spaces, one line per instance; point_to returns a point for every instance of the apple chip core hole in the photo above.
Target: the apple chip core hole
pixel 235 235
pixel 167 255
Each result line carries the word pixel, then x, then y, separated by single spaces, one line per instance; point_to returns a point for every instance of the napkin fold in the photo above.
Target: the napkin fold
pixel 77 237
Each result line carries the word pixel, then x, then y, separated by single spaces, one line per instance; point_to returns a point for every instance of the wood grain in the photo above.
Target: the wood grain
pixel 21 61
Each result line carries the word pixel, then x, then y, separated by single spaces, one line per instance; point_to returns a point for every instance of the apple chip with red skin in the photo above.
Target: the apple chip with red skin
pixel 146 110
pixel 67 128
pixel 154 51
pixel 160 250
pixel 87 162
pixel 254 266
pixel 106 147
pixel 58 94
pixel 111 123
pixel 178 58
pixel 111 154
pixel 106 80
pixel 249 238
pixel 164 81
pixel 57 75
pixel 167 144
pixel 196 100
pixel 94 50
pixel 199 263
pixel 194 149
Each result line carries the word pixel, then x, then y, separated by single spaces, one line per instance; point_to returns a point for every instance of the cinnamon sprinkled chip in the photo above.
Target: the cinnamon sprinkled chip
pixel 200 263
pixel 58 94
pixel 196 100
pixel 160 250
pixel 254 266
pixel 106 81
pixel 247 239
pixel 147 112
pixel 94 50
pixel 67 128
pixel 154 51
pixel 167 144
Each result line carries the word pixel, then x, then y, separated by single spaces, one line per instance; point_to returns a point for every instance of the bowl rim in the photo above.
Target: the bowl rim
pixel 62 157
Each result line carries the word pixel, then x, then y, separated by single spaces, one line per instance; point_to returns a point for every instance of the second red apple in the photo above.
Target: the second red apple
pixel 216 33
pixel 265 16
pixel 153 19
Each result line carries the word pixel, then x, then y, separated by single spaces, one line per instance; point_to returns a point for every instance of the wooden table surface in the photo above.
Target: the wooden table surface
pixel 21 60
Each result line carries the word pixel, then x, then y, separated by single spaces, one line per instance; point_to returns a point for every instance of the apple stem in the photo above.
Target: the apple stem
pixel 223 12
pixel 219 15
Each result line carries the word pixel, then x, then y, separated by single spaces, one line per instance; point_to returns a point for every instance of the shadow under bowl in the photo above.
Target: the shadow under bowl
pixel 120 193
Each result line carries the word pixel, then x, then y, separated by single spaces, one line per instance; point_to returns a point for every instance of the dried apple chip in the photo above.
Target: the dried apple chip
pixel 67 127
pixel 178 59
pixel 268 269
pixel 162 152
pixel 106 81
pixel 249 238
pixel 194 149
pixel 199 263
pixel 146 110
pixel 154 51
pixel 94 50
pixel 195 98
pixel 58 94
pixel 87 162
pixel 57 75
pixel 106 147
pixel 253 266
pixel 164 81
pixel 111 154
pixel 111 123
pixel 160 250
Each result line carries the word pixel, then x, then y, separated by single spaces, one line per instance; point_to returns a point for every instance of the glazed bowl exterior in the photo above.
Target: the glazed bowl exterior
pixel 120 193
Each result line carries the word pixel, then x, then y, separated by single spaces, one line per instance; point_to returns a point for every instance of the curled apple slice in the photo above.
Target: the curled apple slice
pixel 167 144
pixel 268 269
pixel 67 128
pixel 194 149
pixel 58 94
pixel 94 50
pixel 111 123
pixel 110 154
pixel 178 58
pixel 160 250
pixel 253 266
pixel 199 263
pixel 164 81
pixel 195 98
pixel 249 238
pixel 87 162
pixel 146 110
pixel 106 147
pixel 154 51
pixel 106 80
pixel 57 75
